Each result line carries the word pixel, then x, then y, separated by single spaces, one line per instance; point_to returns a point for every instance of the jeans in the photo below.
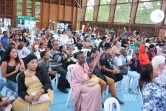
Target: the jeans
pixel 2 53
pixel 13 86
pixel 135 76
pixel 62 79
pixel 2 83
pixel 115 77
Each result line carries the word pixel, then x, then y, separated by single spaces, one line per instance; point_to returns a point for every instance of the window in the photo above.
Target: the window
pixel 89 14
pixel 1 22
pixel 19 7
pixel 103 2
pixel 122 13
pixel 104 10
pixel 37 11
pixel 90 3
pixel 104 13
pixel 29 7
pixel 144 11
pixel 123 1
pixel 89 10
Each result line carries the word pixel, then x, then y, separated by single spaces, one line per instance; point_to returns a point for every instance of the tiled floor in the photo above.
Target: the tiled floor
pixel 132 102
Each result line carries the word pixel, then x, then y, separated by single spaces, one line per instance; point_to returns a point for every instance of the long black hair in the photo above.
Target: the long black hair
pixel 146 75
pixel 93 51
pixel 7 55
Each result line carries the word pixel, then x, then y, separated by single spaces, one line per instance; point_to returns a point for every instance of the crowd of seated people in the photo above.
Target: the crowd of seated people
pixel 25 60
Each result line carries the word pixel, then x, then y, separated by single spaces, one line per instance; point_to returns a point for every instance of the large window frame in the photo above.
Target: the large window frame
pixel 144 20
pixel 123 3
pixel 103 13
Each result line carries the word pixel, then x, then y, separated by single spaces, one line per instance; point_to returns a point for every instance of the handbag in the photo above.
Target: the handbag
pixel 43 98
pixel 123 71
pixel 92 81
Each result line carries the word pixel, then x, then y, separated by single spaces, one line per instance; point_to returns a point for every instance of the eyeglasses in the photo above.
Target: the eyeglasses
pixel 56 44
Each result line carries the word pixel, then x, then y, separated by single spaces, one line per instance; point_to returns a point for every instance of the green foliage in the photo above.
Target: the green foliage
pixel 102 2
pixel 103 15
pixel 122 13
pixel 89 14
pixel 123 1
pixel 144 11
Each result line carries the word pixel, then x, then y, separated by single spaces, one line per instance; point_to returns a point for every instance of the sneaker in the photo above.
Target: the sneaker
pixel 132 91
pixel 64 91
pixel 120 102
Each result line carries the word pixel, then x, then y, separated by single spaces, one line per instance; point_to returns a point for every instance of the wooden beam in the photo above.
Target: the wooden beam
pixel 96 10
pixel 133 11
pixel 112 11
pixel 49 11
pixel 163 8
pixel 82 11
pixel 24 8
pixel 14 13
pixel 41 14
pixel 5 8
pixel 58 10
pixel 72 17
pixel 64 14
pixel 33 8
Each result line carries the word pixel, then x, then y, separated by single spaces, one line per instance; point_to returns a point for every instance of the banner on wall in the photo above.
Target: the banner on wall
pixel 26 22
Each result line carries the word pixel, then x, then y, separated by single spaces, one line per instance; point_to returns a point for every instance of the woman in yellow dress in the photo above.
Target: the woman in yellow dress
pixel 34 79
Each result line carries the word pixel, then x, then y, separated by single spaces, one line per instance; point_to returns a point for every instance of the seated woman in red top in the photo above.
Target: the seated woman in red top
pixel 143 57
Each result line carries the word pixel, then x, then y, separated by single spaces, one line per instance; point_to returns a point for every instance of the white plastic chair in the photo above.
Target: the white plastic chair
pixel 108 104
pixel 69 68
pixel 10 91
pixel 85 51
pixel 125 81
pixel 130 52
pixel 106 91
pixel 57 80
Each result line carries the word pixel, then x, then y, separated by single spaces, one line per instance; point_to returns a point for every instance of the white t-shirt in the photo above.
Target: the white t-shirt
pixel 23 53
pixel 62 40
pixel 119 62
pixel 69 41
pixel 97 42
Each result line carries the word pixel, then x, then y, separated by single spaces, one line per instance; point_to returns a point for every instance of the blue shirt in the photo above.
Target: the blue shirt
pixel 92 41
pixel 5 42
pixel 164 48
pixel 124 60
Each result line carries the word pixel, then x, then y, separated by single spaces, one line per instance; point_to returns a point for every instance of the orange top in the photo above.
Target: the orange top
pixel 143 57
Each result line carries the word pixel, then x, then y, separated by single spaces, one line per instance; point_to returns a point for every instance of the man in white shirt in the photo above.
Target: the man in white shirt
pixel 63 37
pixel 97 41
pixel 69 40
pixel 158 63
pixel 123 63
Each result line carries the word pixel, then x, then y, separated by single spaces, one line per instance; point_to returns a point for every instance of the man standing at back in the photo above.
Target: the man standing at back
pixel 57 65
pixel 5 40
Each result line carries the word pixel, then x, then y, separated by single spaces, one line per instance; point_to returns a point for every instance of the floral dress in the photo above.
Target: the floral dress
pixel 154 97
pixel 33 84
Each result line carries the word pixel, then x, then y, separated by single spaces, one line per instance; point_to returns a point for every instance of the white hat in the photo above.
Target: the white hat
pixel 157 60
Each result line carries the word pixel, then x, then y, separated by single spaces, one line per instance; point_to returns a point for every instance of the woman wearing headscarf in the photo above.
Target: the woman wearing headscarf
pixel 34 79
pixel 143 57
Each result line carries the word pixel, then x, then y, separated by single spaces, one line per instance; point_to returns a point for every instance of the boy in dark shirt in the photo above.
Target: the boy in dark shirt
pixel 135 66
